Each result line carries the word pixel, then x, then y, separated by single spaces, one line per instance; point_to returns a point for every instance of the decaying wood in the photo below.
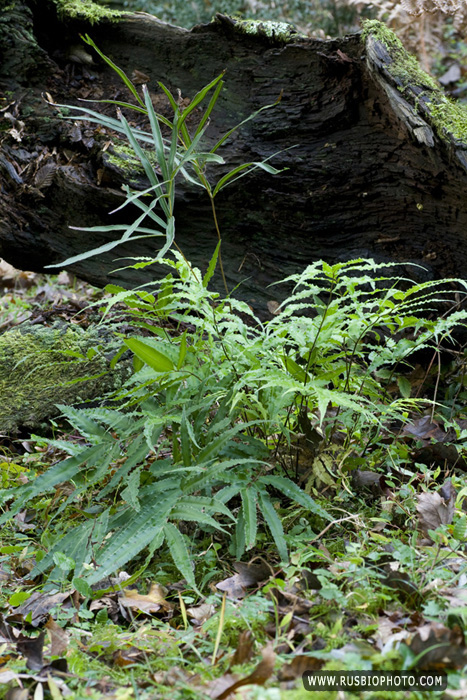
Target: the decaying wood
pixel 369 175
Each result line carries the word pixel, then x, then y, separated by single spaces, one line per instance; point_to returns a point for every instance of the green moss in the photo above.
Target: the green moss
pixel 87 10
pixel 40 367
pixel 448 118
pixel 404 67
pixel 122 158
pixel 279 31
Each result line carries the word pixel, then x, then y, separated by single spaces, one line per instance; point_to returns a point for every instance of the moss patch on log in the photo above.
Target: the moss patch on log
pixel 277 31
pixel 87 10
pixel 447 117
pixel 41 367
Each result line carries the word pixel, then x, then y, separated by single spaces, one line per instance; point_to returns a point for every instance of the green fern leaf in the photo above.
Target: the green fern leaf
pixel 295 493
pixel 133 536
pixel 179 553
pixel 274 524
pixel 249 503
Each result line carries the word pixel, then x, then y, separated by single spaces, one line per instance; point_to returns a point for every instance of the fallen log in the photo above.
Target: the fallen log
pixel 378 168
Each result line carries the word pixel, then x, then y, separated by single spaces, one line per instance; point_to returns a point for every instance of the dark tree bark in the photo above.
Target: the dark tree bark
pixel 372 173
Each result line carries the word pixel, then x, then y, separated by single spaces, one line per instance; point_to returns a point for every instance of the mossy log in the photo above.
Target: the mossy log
pixel 378 166
pixel 41 367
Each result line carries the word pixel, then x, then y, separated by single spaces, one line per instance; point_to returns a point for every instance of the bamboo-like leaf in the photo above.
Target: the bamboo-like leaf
pixel 249 501
pixel 197 99
pixel 274 524
pixel 86 38
pixel 169 236
pixel 240 124
pixel 212 266
pixel 151 356
pixel 210 107
pixel 130 199
pixel 179 553
pixel 157 134
pixel 141 155
pixel 116 103
pixel 245 169
pixel 295 493
pixel 112 244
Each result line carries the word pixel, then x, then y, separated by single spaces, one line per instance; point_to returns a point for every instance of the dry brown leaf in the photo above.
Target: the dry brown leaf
pixel 433 510
pixel 31 648
pixel 244 650
pixel 298 666
pixel 149 603
pixel 59 638
pixel 17 694
pixel 248 575
pixel 201 613
pixel 223 687
pixel 438 647
pixel 128 657
pixel 424 429
pixel 39 606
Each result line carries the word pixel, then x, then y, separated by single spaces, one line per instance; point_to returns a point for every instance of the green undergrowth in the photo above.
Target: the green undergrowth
pixel 256 492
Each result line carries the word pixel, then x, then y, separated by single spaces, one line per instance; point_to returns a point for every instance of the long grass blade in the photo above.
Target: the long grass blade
pixel 87 39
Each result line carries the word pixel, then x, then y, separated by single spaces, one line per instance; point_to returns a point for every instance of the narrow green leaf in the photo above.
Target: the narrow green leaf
pixel 249 502
pixel 210 107
pixel 274 524
pixel 242 170
pixel 157 134
pixel 179 553
pixel 212 266
pixel 249 118
pixel 87 39
pixel 199 97
pixel 295 493
pixel 141 155
pixel 152 357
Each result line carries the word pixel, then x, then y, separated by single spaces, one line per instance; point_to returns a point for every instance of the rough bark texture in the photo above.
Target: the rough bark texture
pixel 372 173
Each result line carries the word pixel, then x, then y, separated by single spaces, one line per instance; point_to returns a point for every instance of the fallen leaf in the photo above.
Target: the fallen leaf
pixel 244 650
pixel 18 694
pixel 201 613
pixel 31 648
pixel 39 606
pixel 437 647
pixel 298 666
pixel 433 510
pixel 59 638
pixel 248 575
pixel 149 603
pixel 259 676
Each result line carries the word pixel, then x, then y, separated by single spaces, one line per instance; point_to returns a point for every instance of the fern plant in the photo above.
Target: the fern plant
pixel 197 431
pixel 206 410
